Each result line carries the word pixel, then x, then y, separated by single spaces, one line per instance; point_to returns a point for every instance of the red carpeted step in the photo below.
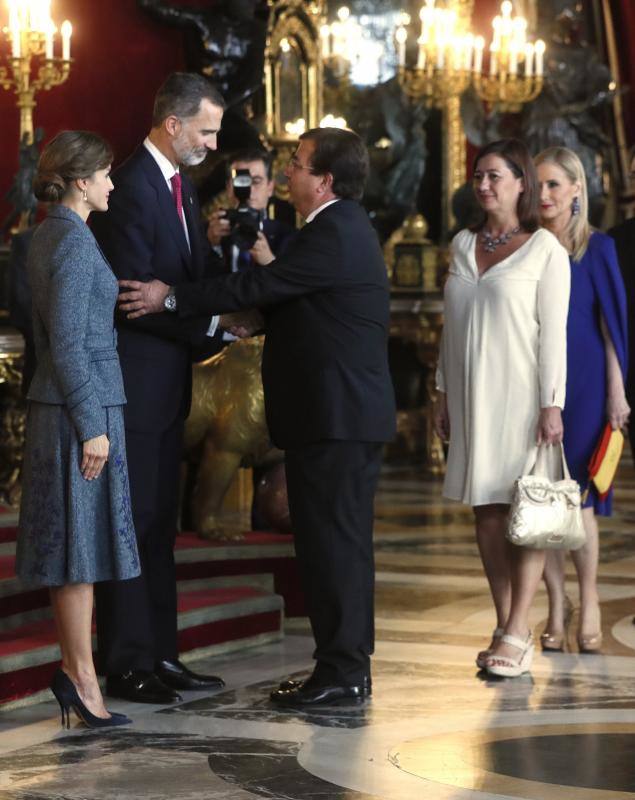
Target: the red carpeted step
pixel 230 617
pixel 8 533
pixel 259 552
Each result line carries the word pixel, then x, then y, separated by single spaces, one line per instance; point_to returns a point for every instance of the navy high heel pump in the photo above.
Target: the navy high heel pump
pixel 66 695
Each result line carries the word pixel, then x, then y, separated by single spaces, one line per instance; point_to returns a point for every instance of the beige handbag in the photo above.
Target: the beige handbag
pixel 546 513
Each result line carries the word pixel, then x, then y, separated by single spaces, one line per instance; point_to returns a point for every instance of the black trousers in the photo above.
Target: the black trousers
pixel 331 487
pixel 137 619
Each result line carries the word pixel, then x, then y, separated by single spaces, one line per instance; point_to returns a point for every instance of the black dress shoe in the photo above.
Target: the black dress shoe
pixel 178 676
pixel 308 695
pixel 367 685
pixel 141 687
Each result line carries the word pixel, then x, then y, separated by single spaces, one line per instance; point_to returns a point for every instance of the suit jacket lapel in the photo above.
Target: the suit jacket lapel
pixel 168 207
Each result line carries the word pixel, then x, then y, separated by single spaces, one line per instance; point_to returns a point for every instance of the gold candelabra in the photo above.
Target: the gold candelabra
pixel 516 66
pixel 31 35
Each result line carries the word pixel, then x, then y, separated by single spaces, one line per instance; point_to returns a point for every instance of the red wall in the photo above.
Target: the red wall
pixel 120 58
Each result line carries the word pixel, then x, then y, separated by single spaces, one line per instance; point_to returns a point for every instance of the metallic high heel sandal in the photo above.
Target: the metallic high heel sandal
pixel 483 655
pixel 554 642
pixel 66 695
pixel 590 645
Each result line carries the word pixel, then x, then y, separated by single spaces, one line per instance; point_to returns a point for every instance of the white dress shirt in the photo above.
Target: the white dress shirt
pixel 321 208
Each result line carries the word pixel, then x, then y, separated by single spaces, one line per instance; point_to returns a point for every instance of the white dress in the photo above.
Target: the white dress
pixel 503 357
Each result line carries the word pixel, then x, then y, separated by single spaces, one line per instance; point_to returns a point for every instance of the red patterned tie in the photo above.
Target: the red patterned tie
pixel 176 182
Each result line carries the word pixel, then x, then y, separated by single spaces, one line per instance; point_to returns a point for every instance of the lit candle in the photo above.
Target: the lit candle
pixel 14 16
pixel 401 35
pixel 14 28
pixel 48 42
pixel 496 25
pixel 513 60
pixel 493 61
pixel 15 43
pixel 529 60
pixel 67 30
pixel 479 45
pixel 469 46
pixel 539 50
pixel 325 34
pixel 440 54
pixel 421 59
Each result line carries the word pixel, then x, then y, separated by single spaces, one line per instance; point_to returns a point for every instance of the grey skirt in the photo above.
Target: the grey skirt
pixel 72 530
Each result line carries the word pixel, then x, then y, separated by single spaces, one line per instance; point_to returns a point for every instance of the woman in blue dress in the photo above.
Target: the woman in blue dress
pixel 596 368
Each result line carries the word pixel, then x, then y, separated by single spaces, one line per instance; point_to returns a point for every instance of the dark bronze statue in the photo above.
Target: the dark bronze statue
pixel 20 195
pixel 226 42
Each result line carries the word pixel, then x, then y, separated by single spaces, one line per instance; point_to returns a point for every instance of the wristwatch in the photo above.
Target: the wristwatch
pixel 169 304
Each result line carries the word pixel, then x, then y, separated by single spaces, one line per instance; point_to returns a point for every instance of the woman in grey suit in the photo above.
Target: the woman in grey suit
pixel 75 520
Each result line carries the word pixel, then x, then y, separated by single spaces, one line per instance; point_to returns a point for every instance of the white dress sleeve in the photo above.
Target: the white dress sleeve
pixel 440 379
pixel 553 307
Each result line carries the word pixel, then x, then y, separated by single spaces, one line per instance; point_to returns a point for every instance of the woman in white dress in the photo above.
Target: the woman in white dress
pixel 502 376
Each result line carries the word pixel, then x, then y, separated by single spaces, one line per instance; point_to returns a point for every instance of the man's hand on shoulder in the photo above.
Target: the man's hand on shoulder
pixel 142 298
pixel 261 252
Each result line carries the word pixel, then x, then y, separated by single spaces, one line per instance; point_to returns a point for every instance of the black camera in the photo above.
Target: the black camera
pixel 245 222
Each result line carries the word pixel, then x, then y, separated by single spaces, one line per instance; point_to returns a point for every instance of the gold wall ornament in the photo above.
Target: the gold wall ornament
pixel 293 38
pixel 293 96
pixel 411 258
pixel 31 34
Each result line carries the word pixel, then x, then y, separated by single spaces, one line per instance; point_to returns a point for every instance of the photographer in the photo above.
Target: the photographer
pixel 227 237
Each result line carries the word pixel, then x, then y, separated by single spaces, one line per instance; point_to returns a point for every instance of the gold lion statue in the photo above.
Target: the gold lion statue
pixel 226 429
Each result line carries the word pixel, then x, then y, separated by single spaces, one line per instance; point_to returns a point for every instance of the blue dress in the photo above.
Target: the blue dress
pixel 597 291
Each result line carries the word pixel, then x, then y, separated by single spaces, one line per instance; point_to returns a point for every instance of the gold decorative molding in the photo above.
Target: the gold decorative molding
pixel 299 24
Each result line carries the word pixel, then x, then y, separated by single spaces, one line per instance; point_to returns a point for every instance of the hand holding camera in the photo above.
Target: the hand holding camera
pixel 244 222
pixel 218 227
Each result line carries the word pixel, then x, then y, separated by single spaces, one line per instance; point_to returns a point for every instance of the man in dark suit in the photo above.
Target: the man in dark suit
pixel 277 234
pixel 328 395
pixel 153 230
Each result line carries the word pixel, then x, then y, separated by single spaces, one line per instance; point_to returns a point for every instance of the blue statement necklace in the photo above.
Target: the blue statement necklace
pixel 490 243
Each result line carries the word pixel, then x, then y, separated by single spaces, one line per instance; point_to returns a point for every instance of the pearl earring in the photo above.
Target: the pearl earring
pixel 84 195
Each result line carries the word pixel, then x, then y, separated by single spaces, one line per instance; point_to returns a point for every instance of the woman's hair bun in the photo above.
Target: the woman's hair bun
pixel 49 187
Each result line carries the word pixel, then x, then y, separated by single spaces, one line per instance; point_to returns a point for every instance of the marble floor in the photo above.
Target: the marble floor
pixel 435 729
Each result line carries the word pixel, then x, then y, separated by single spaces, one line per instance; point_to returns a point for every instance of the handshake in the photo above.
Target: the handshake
pixel 139 299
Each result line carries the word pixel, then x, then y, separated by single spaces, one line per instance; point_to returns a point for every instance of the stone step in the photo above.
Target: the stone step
pixel 211 621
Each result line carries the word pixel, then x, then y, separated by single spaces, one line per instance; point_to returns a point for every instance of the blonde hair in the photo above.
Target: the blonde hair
pixel 578 231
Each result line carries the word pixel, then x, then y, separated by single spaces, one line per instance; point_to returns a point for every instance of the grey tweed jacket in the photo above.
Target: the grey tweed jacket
pixel 74 295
